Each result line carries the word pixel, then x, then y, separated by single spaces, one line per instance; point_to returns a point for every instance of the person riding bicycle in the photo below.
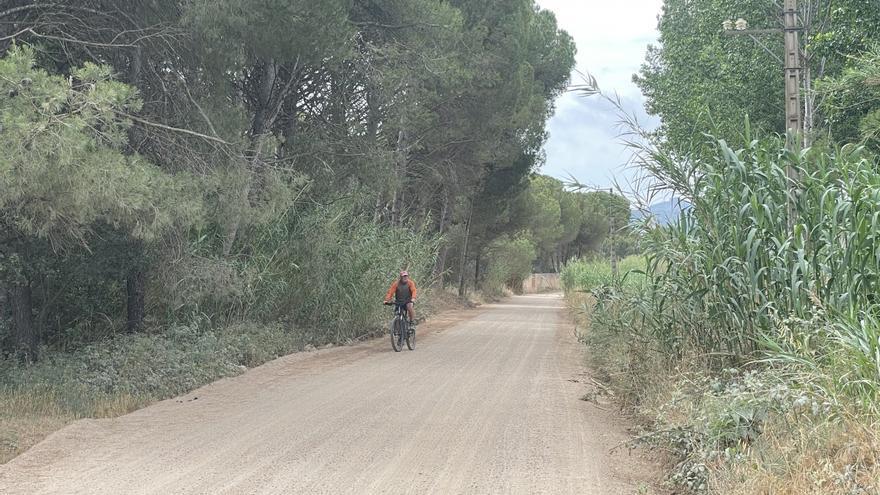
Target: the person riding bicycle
pixel 403 291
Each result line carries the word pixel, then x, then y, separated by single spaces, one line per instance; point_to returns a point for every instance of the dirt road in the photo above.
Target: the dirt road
pixel 488 404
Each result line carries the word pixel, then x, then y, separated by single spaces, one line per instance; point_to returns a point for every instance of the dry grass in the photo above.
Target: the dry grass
pixel 18 434
pixel 25 419
pixel 27 416
pixel 826 458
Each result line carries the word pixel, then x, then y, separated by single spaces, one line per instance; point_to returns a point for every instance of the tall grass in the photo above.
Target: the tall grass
pixel 758 248
pixel 753 339
pixel 591 274
pixel 324 269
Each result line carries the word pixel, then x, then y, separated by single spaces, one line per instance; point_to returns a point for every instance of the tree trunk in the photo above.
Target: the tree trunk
pixel 45 298
pixel 440 266
pixel 400 170
pixel 464 251
pixel 231 233
pixel 373 118
pixel 445 217
pixel 135 286
pixel 338 104
pixel 24 334
pixel 377 210
pixel 135 64
pixel 264 98
pixel 260 123
pixel 477 271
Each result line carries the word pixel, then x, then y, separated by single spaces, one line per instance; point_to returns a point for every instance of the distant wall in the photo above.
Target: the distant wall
pixel 541 282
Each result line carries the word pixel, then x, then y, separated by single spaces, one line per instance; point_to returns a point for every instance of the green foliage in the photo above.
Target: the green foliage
pixel 742 266
pixel 602 213
pixel 596 275
pixel 234 32
pixel 325 269
pixel 252 148
pixel 852 100
pixel 772 268
pixel 541 207
pixel 754 261
pixel 342 266
pixel 784 292
pixel 62 167
pixel 700 80
pixel 511 262
pixel 849 28
pixel 565 222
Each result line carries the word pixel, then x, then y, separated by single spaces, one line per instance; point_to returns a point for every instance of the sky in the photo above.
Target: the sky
pixel 611 38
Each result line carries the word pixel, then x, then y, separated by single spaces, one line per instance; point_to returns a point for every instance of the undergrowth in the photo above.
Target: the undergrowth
pixel 127 372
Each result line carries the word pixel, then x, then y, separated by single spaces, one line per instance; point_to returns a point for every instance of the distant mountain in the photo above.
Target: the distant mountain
pixel 663 212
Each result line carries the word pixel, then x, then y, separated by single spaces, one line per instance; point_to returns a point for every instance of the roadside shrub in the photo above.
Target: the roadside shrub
pixel 341 267
pixel 511 262
pixel 325 269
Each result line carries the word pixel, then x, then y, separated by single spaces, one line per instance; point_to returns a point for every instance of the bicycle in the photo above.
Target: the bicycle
pixel 401 328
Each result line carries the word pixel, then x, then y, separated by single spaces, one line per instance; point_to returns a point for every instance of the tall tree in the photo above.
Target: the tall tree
pixel 64 171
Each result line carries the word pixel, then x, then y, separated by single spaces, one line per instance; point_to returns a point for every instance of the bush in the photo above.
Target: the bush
pixel 341 268
pixel 511 262
pixel 325 269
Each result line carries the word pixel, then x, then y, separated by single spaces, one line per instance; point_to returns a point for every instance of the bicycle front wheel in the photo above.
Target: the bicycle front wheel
pixel 411 337
pixel 397 329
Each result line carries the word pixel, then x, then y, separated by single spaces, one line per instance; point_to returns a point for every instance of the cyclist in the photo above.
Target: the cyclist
pixel 403 291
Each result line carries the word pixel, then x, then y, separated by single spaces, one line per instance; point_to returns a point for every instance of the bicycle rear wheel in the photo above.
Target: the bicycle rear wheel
pixel 397 334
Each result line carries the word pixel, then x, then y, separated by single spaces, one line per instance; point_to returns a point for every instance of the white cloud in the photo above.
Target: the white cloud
pixel 611 38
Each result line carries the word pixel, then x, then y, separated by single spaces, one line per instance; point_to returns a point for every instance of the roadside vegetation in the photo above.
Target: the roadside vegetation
pixel 751 352
pixel 748 336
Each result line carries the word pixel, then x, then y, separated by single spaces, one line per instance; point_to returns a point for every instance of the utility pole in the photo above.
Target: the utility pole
pixel 791 64
pixel 794 125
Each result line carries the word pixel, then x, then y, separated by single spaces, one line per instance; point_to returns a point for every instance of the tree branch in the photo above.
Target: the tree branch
pixel 22 8
pixel 70 40
pixel 174 129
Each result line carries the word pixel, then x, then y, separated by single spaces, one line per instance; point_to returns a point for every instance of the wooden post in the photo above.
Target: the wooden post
pixel 793 120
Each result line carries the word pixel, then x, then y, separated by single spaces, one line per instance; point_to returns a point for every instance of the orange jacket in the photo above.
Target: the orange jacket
pixel 390 295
